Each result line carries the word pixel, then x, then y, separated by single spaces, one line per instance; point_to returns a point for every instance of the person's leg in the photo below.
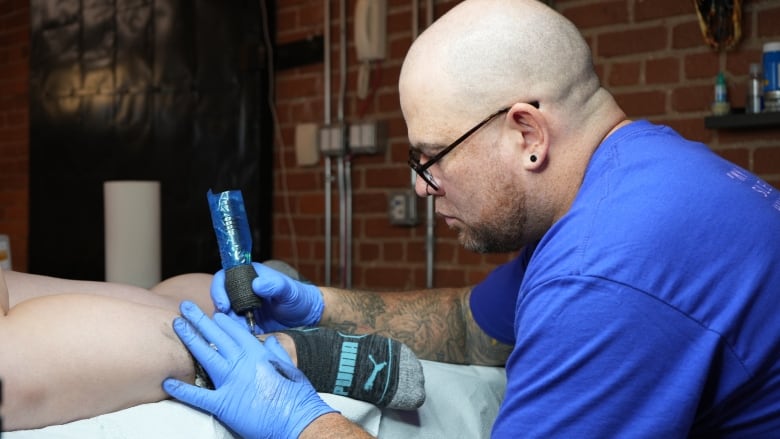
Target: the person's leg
pixel 76 349
pixel 167 294
pixel 192 286
pixel 73 349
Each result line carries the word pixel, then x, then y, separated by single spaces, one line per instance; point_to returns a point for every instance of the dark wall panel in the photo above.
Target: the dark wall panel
pixel 168 90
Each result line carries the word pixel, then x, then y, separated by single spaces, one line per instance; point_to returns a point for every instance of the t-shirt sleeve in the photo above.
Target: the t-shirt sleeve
pixel 493 300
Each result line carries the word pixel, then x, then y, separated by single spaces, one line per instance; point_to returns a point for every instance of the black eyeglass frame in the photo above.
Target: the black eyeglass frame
pixel 425 173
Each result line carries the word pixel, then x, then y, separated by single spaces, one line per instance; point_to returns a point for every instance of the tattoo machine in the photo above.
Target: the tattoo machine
pixel 234 238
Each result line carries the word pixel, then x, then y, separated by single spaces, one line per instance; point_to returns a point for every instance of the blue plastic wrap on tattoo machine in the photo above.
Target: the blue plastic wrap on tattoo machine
pixel 234 238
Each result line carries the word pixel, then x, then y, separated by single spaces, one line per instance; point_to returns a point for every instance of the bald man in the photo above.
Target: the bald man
pixel 645 298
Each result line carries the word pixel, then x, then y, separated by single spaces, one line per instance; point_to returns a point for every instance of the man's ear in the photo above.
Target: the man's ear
pixel 532 125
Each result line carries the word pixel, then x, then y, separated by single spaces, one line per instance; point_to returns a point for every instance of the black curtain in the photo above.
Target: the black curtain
pixel 168 90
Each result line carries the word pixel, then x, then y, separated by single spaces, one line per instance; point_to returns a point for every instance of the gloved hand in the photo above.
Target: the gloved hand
pixel 258 392
pixel 287 303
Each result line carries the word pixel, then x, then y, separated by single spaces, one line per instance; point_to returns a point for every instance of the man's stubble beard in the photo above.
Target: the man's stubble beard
pixel 501 233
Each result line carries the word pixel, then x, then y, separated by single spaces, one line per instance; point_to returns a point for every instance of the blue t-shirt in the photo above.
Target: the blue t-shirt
pixel 652 308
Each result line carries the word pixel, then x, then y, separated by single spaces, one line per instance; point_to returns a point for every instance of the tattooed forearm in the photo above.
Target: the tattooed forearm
pixel 480 347
pixel 435 324
pixel 430 323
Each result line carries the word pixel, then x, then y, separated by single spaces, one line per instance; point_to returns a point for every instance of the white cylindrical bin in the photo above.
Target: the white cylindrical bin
pixel 132 232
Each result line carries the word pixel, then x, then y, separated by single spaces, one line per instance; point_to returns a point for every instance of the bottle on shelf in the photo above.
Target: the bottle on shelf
pixel 771 61
pixel 755 90
pixel 721 105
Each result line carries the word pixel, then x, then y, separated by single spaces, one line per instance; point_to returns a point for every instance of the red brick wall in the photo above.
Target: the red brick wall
pixel 650 54
pixel 14 126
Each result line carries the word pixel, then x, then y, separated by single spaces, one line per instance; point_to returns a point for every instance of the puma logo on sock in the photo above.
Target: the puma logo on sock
pixel 377 368
pixel 346 371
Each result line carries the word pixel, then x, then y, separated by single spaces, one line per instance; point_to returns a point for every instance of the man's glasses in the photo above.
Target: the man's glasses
pixel 425 173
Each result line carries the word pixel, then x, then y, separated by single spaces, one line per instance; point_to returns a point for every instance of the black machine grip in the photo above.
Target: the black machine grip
pixel 238 283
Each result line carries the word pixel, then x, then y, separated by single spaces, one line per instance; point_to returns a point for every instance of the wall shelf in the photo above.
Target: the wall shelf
pixel 739 120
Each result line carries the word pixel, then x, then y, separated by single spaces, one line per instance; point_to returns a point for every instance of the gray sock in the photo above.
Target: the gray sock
pixel 407 377
pixel 370 367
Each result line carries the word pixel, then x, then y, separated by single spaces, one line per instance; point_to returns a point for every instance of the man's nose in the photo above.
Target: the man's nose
pixel 421 188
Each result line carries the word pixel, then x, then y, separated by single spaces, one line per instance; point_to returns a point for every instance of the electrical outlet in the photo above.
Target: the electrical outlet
pixel 367 138
pixel 332 140
pixel 402 208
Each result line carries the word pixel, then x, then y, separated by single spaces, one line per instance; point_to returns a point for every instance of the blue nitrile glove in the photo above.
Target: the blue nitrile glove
pixel 257 391
pixel 287 303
